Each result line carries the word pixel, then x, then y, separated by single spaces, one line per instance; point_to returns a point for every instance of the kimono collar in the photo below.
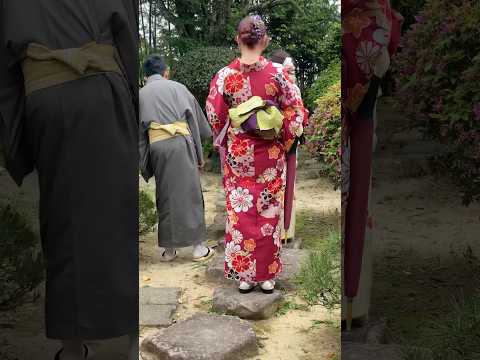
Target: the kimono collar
pixel 155 77
pixel 256 66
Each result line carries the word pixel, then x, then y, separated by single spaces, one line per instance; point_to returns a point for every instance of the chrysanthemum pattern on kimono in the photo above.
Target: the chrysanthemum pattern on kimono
pixel 255 169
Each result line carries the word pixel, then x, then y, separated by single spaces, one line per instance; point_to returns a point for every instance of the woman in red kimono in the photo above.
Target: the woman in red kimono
pixel 371 35
pixel 254 164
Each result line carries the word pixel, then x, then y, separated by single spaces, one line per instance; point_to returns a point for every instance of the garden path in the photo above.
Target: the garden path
pixel 295 331
pixel 426 242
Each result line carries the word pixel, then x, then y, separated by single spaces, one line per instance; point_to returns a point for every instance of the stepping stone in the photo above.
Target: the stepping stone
pixel 202 337
pixel 216 230
pixel 375 332
pixel 255 305
pixel 292 261
pixel 356 351
pixel 296 243
pixel 220 205
pixel 158 305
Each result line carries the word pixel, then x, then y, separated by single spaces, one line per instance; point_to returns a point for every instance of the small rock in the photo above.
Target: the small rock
pixel 149 295
pixel 255 305
pixel 296 243
pixel 217 228
pixel 158 305
pixel 372 332
pixel 202 337
pixel 378 332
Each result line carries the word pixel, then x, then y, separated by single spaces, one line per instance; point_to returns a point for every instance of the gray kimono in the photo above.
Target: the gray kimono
pixel 174 162
pixel 81 138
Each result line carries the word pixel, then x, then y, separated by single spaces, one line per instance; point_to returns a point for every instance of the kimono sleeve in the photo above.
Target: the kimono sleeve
pixel 198 124
pixel 16 152
pixel 291 104
pixel 216 106
pixel 125 33
pixel 145 166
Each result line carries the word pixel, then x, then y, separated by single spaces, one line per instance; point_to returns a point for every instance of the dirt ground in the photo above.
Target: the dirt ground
pixel 311 334
pixel 307 334
pixel 426 242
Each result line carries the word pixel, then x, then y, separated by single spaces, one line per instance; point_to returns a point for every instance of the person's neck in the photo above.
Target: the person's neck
pixel 157 76
pixel 250 58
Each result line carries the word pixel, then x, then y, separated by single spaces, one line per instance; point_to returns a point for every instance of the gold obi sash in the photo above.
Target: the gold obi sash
pixel 43 67
pixel 158 132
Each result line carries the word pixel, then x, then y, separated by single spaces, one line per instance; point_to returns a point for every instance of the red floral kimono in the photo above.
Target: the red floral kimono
pixel 254 168
pixel 371 34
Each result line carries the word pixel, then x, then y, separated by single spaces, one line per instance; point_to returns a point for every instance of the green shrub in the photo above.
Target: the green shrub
pixel 197 68
pixel 453 336
pixel 319 278
pixel 324 133
pixel 21 265
pixel 330 76
pixel 438 72
pixel 210 153
pixel 147 213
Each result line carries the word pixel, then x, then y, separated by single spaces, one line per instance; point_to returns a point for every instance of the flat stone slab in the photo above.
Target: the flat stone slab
pixel 292 261
pixel 158 305
pixel 357 351
pixel 202 337
pixel 255 305
pixel 217 228
pixel 373 332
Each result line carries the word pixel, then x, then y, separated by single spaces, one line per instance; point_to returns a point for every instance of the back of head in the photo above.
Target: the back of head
pixel 252 31
pixel 154 64
pixel 279 56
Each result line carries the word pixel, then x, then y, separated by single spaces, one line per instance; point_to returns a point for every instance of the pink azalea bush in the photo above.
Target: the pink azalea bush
pixel 438 85
pixel 324 133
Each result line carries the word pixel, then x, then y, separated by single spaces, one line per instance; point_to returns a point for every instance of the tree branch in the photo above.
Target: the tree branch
pixel 167 14
pixel 267 5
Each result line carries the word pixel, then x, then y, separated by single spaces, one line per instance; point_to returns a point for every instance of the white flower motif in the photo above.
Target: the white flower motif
pixel 229 184
pixel 228 226
pixel 381 36
pixel 276 236
pixel 296 128
pixel 241 200
pixel 231 249
pixel 237 236
pixel 267 230
pixel 270 174
pixel 367 53
pixel 213 93
pixel 249 275
pixel 211 113
pixel 222 74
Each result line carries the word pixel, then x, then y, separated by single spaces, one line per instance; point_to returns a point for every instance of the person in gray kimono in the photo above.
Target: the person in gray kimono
pixel 172 127
pixel 68 110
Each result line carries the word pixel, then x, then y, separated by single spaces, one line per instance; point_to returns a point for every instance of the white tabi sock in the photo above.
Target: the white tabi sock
pixel 199 250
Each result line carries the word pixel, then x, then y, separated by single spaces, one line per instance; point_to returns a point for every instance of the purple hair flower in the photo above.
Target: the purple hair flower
pixel 258 28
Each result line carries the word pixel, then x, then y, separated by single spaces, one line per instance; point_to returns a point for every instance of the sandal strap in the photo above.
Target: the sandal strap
pixel 57 355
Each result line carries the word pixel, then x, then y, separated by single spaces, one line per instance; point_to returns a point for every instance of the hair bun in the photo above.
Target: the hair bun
pixel 252 30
